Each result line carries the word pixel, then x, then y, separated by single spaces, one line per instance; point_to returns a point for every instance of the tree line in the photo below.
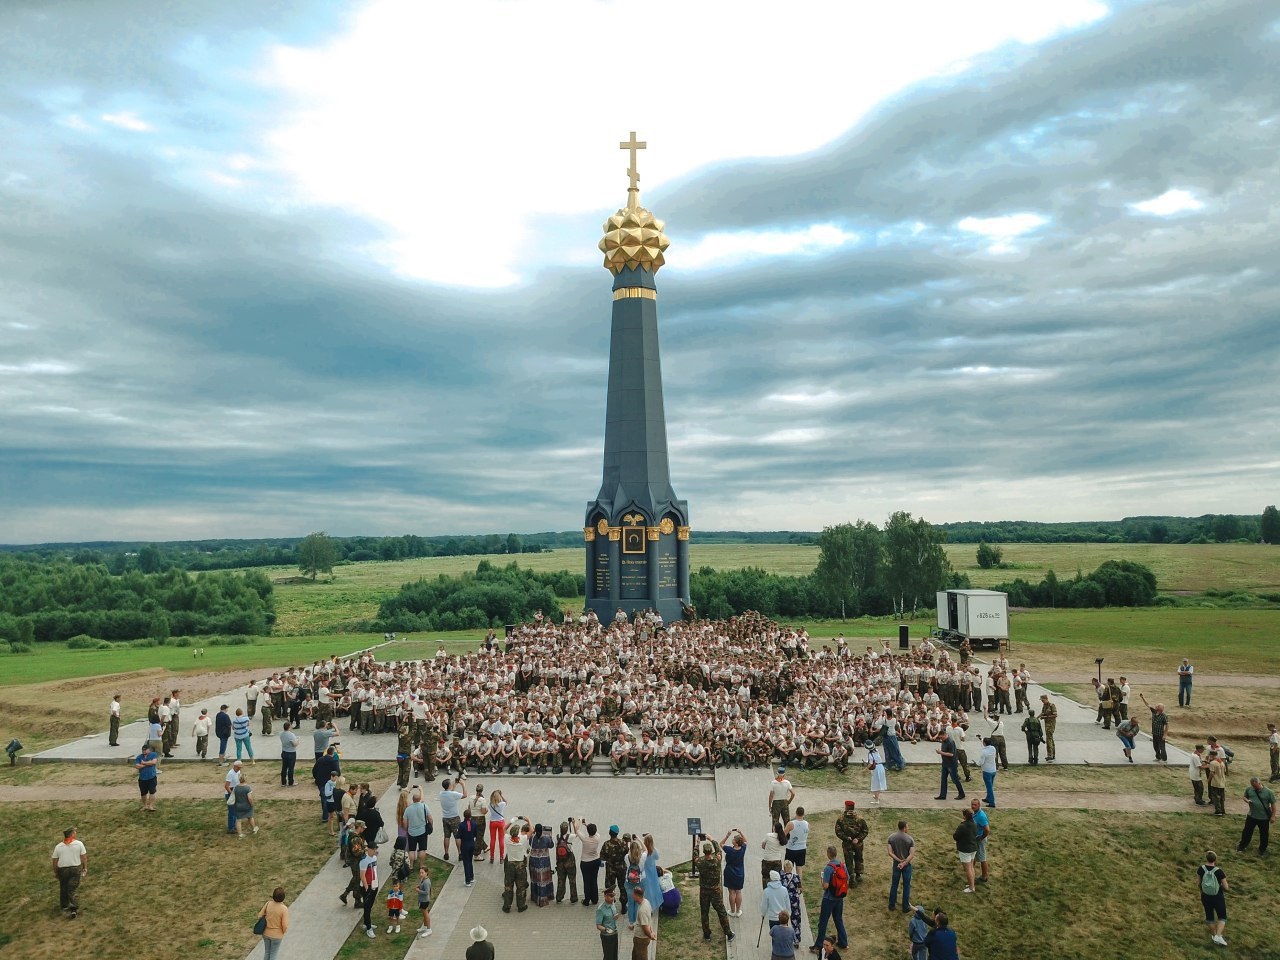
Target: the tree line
pixel 863 570
pixel 491 597
pixel 58 600
pixel 1208 528
pixel 1116 583
pixel 197 555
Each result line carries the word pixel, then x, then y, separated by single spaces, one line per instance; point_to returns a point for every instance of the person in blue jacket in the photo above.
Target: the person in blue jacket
pixel 222 730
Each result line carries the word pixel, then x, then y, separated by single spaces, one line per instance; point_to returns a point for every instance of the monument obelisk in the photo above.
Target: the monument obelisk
pixel 637 532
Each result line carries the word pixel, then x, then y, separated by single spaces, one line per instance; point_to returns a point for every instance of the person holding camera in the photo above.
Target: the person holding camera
pixel 710 891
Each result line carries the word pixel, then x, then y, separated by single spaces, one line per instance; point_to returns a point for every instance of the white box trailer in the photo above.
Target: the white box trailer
pixel 980 616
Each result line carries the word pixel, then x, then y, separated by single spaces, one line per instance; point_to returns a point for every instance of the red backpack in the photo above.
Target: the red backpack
pixel 839 880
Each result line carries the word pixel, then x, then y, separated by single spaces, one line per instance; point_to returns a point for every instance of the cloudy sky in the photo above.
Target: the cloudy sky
pixel 272 268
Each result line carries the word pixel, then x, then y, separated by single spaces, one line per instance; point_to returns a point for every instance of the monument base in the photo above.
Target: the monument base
pixel 670 609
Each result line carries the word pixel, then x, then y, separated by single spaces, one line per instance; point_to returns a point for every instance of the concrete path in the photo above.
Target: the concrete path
pixel 318 922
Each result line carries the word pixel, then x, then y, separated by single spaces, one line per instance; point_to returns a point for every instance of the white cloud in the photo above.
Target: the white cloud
pixel 1013 225
pixel 730 249
pixel 1168 203
pixel 35 368
pixel 459 147
pixel 818 399
pixel 127 120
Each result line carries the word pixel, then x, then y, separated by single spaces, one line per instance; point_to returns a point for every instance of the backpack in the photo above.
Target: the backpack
pixel 562 848
pixel 1209 885
pixel 399 865
pixel 633 874
pixel 839 880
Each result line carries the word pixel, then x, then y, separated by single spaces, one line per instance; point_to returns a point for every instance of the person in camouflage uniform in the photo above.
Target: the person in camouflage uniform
pixel 266 720
pixel 428 736
pixel 566 865
pixel 1049 719
pixel 852 831
pixel 404 753
pixel 710 891
pixel 613 852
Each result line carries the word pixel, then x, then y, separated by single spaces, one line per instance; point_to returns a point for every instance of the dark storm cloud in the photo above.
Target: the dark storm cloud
pixel 1101 343
pixel 178 362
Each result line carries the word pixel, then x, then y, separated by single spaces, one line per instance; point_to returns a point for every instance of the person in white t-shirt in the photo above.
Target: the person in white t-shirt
pixel 114 738
pixel 200 730
pixel 780 796
pixel 70 866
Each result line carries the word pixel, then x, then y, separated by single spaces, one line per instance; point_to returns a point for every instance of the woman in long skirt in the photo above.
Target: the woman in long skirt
pixel 875 765
pixel 791 882
pixel 652 885
pixel 540 882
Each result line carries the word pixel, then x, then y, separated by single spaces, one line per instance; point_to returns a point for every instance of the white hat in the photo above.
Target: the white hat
pixel 775 875
pixel 478 934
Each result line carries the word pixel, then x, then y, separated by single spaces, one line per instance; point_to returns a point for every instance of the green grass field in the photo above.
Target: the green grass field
pixel 351 597
pixel 1067 884
pixel 134 866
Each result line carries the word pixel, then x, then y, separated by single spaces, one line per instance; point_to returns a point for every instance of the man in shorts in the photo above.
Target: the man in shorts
pixel 417 817
pixel 982 827
pixel 147 765
pixel 451 813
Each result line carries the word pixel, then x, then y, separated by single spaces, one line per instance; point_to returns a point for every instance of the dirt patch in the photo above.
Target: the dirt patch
pixel 44 714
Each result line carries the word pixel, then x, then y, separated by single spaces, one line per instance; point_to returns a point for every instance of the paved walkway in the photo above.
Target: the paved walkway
pixel 318 923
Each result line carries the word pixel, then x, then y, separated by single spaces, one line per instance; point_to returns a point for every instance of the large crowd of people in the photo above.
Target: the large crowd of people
pixel 647 697
pixel 635 697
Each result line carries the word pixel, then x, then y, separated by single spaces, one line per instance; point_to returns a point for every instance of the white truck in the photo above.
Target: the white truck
pixel 979 616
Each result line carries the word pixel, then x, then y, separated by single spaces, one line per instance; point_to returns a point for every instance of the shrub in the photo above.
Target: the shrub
pixel 82 641
pixel 18 646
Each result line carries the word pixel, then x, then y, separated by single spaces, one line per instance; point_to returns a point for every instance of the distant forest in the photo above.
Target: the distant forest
pixel 121 557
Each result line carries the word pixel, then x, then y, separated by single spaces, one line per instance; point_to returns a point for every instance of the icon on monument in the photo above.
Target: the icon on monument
pixel 633 540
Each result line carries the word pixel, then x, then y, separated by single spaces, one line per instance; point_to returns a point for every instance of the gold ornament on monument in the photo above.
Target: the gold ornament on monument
pixel 666 526
pixel 603 526
pixel 633 236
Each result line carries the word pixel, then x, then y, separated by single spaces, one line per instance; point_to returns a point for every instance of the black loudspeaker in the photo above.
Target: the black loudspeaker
pixel 904 637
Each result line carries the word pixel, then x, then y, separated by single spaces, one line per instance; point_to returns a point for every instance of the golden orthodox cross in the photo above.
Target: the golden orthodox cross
pixel 633 145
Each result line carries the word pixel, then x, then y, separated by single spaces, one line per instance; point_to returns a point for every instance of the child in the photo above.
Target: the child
pixel 917 930
pixel 395 906
pixel 424 902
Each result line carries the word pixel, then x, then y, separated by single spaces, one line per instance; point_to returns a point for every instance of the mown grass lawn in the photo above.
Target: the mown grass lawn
pixel 1064 884
pixel 680 937
pixel 169 884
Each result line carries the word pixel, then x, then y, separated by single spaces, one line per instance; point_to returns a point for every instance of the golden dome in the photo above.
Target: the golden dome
pixel 633 238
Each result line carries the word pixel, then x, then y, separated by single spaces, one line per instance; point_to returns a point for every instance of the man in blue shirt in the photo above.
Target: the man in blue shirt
pixel 832 902
pixel 147 766
pixel 941 940
pixel 982 826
